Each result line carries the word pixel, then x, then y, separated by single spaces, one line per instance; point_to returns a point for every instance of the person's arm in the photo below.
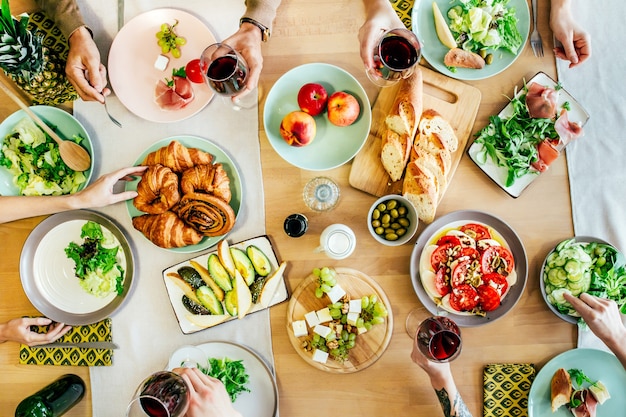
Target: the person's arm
pixel 98 194
pixel 207 395
pixel 379 18
pixel 18 330
pixel 604 320
pixel 443 383
pixel 575 40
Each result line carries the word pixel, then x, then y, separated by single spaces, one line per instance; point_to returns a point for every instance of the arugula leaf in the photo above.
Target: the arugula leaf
pixel 232 373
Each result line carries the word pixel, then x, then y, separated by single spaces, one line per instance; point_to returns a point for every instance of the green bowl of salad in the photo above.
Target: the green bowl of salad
pixel 583 264
pixel 30 163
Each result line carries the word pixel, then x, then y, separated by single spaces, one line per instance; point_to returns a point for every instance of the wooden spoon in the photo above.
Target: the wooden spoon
pixel 75 156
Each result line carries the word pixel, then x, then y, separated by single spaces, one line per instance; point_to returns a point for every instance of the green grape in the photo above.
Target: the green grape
pixel 317 272
pixel 331 336
pixel 318 292
pixel 335 313
pixel 378 320
pixel 359 322
pixel 176 52
pixel 164 27
pixel 159 35
pixel 345 336
pixel 368 326
pixel 180 41
pixel 373 299
pixel 351 344
pixel 352 336
pixel 325 287
pixel 165 49
pixel 332 282
pixel 365 301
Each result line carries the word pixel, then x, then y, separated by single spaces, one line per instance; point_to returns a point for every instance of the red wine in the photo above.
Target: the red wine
pixel 226 75
pixel 170 389
pixel 444 344
pixel 153 408
pixel 397 53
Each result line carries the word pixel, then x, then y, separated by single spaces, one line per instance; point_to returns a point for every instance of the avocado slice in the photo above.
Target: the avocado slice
pixel 230 300
pixel 219 273
pixel 260 261
pixel 191 276
pixel 243 265
pixel 209 300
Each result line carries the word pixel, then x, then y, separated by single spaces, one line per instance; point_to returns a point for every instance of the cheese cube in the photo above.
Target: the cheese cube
pixel 322 330
pixel 299 328
pixel 323 315
pixel 361 330
pixel 355 306
pixel 312 319
pixel 320 356
pixel 352 318
pixel 336 293
pixel 161 62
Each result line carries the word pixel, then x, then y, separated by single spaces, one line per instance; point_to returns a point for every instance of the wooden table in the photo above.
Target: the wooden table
pixel 324 31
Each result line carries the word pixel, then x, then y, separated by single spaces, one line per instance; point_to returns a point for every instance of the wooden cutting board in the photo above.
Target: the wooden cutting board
pixel 456 101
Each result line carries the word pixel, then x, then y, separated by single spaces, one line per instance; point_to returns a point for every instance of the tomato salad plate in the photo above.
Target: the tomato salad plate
pixel 133 67
pixel 470 265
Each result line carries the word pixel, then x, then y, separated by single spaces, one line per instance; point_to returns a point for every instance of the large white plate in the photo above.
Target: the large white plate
pixel 66 126
pixel 433 50
pixel 499 174
pixel 333 145
pixel 48 275
pixel 505 231
pixel 219 155
pixel 597 365
pixel 134 51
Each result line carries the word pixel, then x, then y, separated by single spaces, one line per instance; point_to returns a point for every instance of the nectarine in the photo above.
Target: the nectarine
pixel 298 128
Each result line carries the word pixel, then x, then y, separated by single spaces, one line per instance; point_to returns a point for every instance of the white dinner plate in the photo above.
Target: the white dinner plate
pixel 48 275
pixel 333 145
pixel 134 52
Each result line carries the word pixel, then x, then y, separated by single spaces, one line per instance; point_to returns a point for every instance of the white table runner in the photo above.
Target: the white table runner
pixel 145 327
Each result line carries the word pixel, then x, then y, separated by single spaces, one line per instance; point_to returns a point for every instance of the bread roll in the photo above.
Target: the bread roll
pixel 458 57
pixel 401 126
pixel 560 389
pixel 420 188
pixel 433 122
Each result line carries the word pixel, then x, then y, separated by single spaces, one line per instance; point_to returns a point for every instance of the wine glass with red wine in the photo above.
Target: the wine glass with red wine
pixel 162 394
pixel 395 56
pixel 226 71
pixel 439 339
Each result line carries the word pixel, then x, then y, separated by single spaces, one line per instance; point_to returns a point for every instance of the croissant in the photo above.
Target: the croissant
pixel 208 214
pixel 177 157
pixel 210 179
pixel 166 230
pixel 157 191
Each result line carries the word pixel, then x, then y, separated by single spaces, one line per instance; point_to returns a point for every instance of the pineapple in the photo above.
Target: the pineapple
pixel 33 53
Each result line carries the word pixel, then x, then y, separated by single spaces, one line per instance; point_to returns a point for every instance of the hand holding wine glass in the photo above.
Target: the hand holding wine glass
pixel 438 338
pixel 395 56
pixel 162 394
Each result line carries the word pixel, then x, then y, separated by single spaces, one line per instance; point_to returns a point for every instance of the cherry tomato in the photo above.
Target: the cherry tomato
pixel 460 273
pixel 475 230
pixel 497 282
pixel 448 239
pixel 488 297
pixel 439 257
pixel 193 70
pixel 441 283
pixel 463 298
pixel 497 259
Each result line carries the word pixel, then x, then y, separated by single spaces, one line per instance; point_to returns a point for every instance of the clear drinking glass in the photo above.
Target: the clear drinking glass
pixel 225 71
pixel 321 194
pixel 162 394
pixel 395 56
pixel 439 339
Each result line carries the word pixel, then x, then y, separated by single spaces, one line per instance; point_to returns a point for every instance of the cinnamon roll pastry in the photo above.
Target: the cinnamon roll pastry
pixel 157 191
pixel 208 214
pixel 166 230
pixel 177 157
pixel 210 179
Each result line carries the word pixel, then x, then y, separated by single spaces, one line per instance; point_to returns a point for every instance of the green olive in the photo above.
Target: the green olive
pixel 395 226
pixel 489 59
pixel 402 210
pixel 391 236
pixel 389 230
pixel 386 218
pixel 392 204
pixel 401 232
pixel 376 214
pixel 382 207
pixel 404 221
pixel 482 53
pixel 379 230
pixel 376 223
pixel 394 213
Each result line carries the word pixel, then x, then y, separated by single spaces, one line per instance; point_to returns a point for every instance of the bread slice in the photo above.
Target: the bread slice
pixel 396 148
pixel 458 57
pixel 435 145
pixel 432 163
pixel 432 122
pixel 420 188
pixel 560 389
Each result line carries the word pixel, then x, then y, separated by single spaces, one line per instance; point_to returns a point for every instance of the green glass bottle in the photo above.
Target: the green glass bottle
pixel 53 400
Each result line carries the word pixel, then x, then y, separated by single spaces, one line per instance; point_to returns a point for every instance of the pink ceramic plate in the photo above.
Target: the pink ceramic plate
pixel 134 52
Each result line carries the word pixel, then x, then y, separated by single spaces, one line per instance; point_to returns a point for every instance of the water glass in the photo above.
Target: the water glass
pixel 321 194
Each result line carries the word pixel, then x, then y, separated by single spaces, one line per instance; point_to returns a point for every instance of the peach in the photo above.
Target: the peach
pixel 298 128
pixel 343 108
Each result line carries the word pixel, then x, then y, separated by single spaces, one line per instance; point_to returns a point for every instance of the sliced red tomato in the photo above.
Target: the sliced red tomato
pixel 471 253
pixel 475 230
pixel 448 239
pixel 460 273
pixel 439 257
pixel 497 259
pixel 441 283
pixel 463 298
pixel 497 282
pixel 193 70
pixel 488 297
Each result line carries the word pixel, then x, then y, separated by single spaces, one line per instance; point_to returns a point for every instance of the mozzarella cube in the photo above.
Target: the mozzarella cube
pixel 323 315
pixel 312 319
pixel 352 318
pixel 336 293
pixel 355 306
pixel 320 356
pixel 361 330
pixel 161 62
pixel 299 328
pixel 322 330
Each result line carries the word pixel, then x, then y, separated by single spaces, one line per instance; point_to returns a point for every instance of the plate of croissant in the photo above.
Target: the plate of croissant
pixel 189 196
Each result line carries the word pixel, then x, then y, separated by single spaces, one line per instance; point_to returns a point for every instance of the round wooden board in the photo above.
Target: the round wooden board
pixel 369 346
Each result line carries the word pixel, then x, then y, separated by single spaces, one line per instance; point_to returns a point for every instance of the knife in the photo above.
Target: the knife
pixel 85 345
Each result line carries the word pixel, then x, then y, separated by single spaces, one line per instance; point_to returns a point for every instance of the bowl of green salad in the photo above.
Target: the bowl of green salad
pixel 582 264
pixel 30 163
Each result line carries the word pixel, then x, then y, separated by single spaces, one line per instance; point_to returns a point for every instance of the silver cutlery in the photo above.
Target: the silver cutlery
pixel 85 345
pixel 535 38
pixel 109 114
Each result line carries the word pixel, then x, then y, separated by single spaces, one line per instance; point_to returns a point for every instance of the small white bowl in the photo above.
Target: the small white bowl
pixel 187 357
pixel 411 215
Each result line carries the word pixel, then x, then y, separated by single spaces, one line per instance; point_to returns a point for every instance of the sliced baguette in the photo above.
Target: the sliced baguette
pixel 433 122
pixel 420 188
pixel 560 389
pixel 435 145
pixel 434 164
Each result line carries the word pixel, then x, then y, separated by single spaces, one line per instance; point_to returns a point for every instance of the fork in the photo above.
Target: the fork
pixel 535 37
pixel 109 114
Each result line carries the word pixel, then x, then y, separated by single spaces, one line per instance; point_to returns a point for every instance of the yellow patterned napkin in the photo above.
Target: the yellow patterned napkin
pixel 403 8
pixel 505 389
pixel 96 332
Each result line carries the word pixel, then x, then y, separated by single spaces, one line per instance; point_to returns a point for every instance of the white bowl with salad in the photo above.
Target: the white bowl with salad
pixel 23 145
pixel 582 264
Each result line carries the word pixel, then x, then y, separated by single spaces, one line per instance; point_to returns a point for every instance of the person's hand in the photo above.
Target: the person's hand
pixel 437 371
pixel 208 396
pixel 601 315
pixel 84 69
pixel 18 330
pixel 576 43
pixel 247 41
pixel 100 193
pixel 380 17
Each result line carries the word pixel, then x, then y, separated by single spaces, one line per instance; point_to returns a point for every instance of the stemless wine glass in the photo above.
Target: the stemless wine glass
pixel 395 56
pixel 226 71
pixel 321 194
pixel 162 394
pixel 439 339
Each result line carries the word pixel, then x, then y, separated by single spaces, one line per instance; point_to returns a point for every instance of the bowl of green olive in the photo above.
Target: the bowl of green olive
pixel 392 220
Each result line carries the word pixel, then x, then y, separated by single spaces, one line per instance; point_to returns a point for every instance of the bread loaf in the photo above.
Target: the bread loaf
pixel 401 126
pixel 458 57
pixel 560 389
